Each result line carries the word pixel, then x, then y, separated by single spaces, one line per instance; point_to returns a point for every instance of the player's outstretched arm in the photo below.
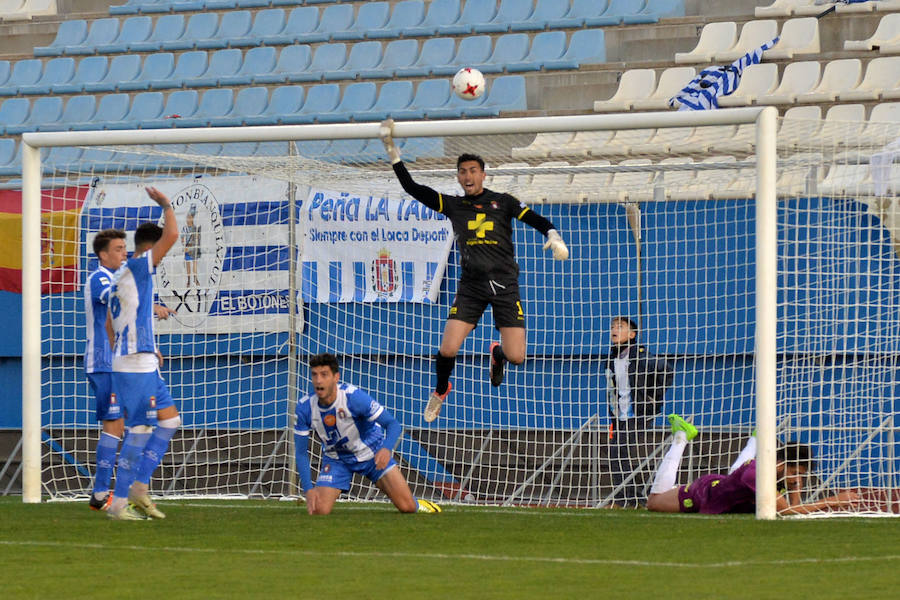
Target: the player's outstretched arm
pixel 392 431
pixel 301 457
pixel 840 501
pixel 170 229
pixel 422 193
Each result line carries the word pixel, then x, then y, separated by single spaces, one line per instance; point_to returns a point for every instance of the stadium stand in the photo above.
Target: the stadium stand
pixel 887 32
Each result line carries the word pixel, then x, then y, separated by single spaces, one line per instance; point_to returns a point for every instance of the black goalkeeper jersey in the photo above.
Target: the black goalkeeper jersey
pixel 483 228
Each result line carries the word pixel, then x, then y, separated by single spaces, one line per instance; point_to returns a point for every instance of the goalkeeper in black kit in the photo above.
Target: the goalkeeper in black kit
pixel 482 221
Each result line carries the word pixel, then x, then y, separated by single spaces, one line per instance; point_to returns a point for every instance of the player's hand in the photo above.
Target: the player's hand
pixel 385 132
pixel 312 501
pixel 159 357
pixel 556 245
pixel 158 197
pixel 382 458
pixel 162 312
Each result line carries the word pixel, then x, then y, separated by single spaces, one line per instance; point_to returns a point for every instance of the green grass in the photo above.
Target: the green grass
pixel 270 549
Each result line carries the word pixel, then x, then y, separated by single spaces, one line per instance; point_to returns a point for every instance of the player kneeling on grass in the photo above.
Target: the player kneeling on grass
pixel 735 492
pixel 357 435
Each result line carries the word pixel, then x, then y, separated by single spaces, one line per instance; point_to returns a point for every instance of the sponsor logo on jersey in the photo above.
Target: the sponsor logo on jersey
pixel 329 420
pixel 480 225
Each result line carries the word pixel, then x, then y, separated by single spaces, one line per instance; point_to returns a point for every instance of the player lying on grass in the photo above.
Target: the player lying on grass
pixel 482 222
pixel 736 491
pixel 357 435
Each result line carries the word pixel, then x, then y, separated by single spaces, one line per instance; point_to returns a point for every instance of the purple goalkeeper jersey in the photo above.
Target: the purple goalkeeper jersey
pixel 717 494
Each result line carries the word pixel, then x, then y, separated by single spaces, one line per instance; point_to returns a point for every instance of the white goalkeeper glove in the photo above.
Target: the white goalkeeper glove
pixel 387 127
pixel 556 245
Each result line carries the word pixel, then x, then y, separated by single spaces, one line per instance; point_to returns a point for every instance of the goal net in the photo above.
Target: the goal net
pixel 292 248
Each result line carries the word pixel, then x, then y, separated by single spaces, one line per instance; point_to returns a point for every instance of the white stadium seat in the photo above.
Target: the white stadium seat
pixel 585 185
pixel 13 10
pixel 781 8
pixel 715 182
pixel 625 142
pixel 635 84
pixel 887 32
pixel 677 184
pixel 798 78
pixel 857 7
pixel 542 145
pixel 798 36
pixel 838 75
pixel 882 80
pixel 664 140
pixel 507 181
pixel 799 125
pixel 875 133
pixel 756 80
pixel 846 179
pixel 887 5
pixel 714 38
pixel 671 81
pixel 549 187
pixel 629 185
pixel 753 35
pixel 583 143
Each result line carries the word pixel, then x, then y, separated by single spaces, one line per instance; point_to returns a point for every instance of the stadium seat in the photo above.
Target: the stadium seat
pixel 241 149
pixel 257 62
pixel 544 12
pixel 415 148
pixel 717 183
pixel 101 32
pixel 91 69
pixel 628 185
pixel 70 33
pixel 111 108
pixel 249 102
pixel 472 13
pixel 841 126
pixel 181 104
pixel 364 57
pixel 552 186
pixel 57 70
pixel 676 184
pixel 671 81
pixel 222 63
pixel 664 140
pixel 357 97
pixel 714 38
pixel 887 32
pixel 406 14
pixel 510 11
pixel 887 5
pixel 440 12
pixel 292 60
pixel 190 66
pixel 122 69
pixel 371 15
pixel 579 13
pixel 875 133
pixel 10 158
pixel 144 107
pixel 45 110
pixel 61 158
pixel 756 80
pixel 838 75
pixel 626 142
pixel 582 143
pixel 882 80
pixel 13 112
pixel 253 3
pixel 798 125
pixel 168 29
pixel 783 8
pixel 397 54
pixel 541 145
pixel 435 51
pixel 220 4
pixel 334 18
pixel 300 24
pixel 635 84
pixel 798 78
pixel 131 7
pixel 320 99
pixel 509 48
pixel 285 100
pixel 78 109
pixel 134 30
pixel 616 13
pixel 546 46
pixel 174 5
pixel 655 10
pixel 510 179
pixel 157 67
pixel 586 47
pixel 327 57
pixel 430 93
pixel 703 139
pixel 267 24
pixel 214 103
pixel 844 179
pixel 234 25
pixel 473 50
pixel 24 72
pixel 5 71
pixel 753 35
pixel 393 96
pixel 201 26
pixel 590 181
pixel 798 36
pixel 505 93
pixel 856 7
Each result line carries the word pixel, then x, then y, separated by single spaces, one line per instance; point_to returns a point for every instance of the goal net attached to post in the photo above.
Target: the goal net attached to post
pixel 779 317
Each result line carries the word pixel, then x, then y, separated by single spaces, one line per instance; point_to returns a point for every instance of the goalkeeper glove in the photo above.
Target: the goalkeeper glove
pixel 385 132
pixel 556 245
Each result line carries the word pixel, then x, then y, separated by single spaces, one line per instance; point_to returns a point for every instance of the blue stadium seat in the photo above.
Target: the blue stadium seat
pixel 91 69
pixel 190 65
pixel 510 48
pixel 301 24
pixel 60 158
pixel 334 18
pixel 292 60
pixel 201 26
pixel 371 15
pixel 357 97
pixel 440 12
pixel 104 160
pixel 144 107
pixel 222 63
pixel 430 93
pixel 544 12
pixel 168 29
pixel 327 57
pixel 249 102
pixel 285 100
pixel 406 14
pixel 13 112
pixel 321 1
pixel 10 159
pixel 435 51
pixel 453 108
pixel 393 96
pixel 79 109
pixel 312 148
pixel 102 31
pixel 111 108
pixel 70 33
pixel 656 10
pixel 57 70
pixel 545 46
pixel 122 69
pixel 131 7
pixel 347 151
pixel 272 149
pixel 506 93
pixel 164 6
pixel 220 4
pixel 45 110
pixel 586 47
pixel 235 25
pixel 615 13
pixel 252 3
pixel 181 104
pixel 364 56
pixel 268 23
pixel 24 72
pixel 239 148
pixel 398 54
pixel 216 102
pixel 579 13
pixel 472 12
pixel 510 11
pixel 320 99
pixel 473 50
pixel 157 67
pixel 258 61
pixel 415 148
pixel 134 29
pixel 5 71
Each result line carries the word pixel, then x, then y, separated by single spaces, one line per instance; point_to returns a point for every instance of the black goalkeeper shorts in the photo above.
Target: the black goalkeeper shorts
pixel 507 308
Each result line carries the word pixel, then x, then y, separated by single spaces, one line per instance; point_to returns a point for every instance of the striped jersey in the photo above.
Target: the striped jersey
pixel 347 427
pixel 97 353
pixel 131 306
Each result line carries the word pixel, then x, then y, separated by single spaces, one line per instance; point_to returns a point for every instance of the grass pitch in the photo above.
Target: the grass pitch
pixel 270 549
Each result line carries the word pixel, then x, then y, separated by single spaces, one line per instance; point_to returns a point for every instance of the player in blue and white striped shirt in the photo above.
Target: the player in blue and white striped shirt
pixel 357 436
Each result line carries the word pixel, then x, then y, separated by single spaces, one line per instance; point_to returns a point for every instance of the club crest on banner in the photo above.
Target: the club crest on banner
pixel 384 274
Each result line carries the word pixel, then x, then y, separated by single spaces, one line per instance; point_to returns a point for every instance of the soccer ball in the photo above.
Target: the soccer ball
pixel 468 83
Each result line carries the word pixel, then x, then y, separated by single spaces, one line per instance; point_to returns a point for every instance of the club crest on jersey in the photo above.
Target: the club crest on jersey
pixel 384 274
pixel 112 398
pixel 329 420
pixel 152 401
pixel 327 468
pixel 341 413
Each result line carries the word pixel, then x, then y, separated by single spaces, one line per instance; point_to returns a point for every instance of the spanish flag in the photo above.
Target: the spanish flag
pixel 60 209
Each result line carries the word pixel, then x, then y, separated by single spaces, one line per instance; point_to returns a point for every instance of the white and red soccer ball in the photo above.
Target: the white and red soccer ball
pixel 468 83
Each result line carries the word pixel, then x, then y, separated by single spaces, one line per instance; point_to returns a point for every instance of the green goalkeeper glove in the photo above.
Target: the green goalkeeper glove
pixel 556 245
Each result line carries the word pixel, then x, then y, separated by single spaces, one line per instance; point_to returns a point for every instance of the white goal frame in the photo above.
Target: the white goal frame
pixel 763 118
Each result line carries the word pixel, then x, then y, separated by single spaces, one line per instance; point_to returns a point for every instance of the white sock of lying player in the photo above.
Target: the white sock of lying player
pixel 668 468
pixel 748 453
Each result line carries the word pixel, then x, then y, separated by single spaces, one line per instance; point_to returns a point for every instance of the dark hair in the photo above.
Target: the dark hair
pixel 324 360
pixel 147 232
pixel 103 238
pixel 795 454
pixel 470 157
pixel 627 320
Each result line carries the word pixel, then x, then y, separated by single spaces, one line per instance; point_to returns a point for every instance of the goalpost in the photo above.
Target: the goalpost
pixel 637 198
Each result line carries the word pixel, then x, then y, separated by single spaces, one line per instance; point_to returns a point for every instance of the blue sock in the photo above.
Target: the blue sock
pixel 107 448
pixel 154 451
pixel 129 460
